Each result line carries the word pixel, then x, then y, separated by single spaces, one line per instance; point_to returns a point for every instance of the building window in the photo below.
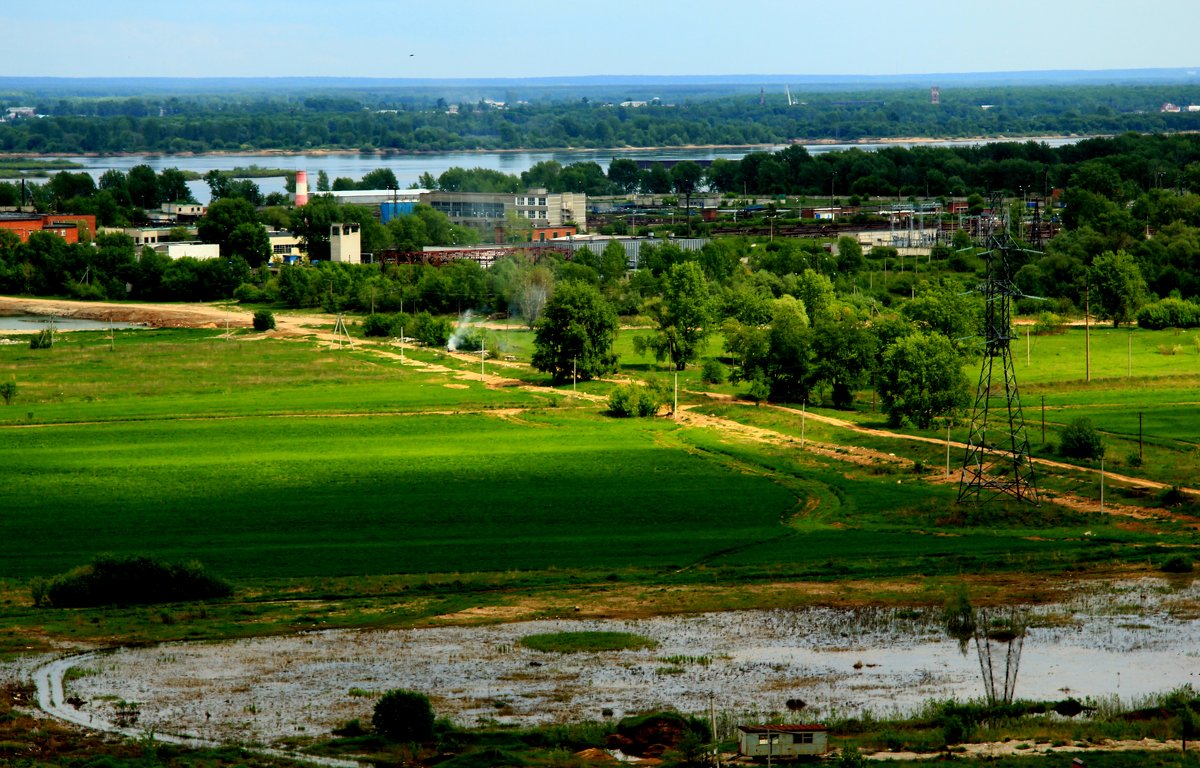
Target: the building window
pixel 802 738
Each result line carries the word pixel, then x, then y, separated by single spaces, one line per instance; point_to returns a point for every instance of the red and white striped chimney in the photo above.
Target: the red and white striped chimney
pixel 301 188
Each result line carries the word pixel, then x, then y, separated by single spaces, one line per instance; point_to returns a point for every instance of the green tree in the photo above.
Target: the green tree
pixel 683 315
pixel 921 378
pixel 625 174
pixel 142 184
pixel 402 715
pixel 8 390
pixel 576 333
pixel 250 241
pixel 844 353
pixel 1119 288
pixel 380 178
pixel 223 218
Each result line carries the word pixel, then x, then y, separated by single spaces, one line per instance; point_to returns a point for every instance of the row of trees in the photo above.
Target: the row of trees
pixel 1119 168
pixel 350 122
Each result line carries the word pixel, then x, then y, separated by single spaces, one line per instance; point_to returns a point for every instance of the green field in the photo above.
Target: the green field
pixel 279 459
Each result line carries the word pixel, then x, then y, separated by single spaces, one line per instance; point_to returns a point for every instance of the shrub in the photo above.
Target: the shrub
pixel 249 293
pixel 404 716
pixel 713 372
pixel 1172 497
pixel 377 325
pixel 264 320
pixel 8 390
pixel 430 330
pixel 1169 313
pixel 1048 323
pixel 1080 440
pixel 111 580
pixel 636 400
pixel 1177 564
pixel 43 339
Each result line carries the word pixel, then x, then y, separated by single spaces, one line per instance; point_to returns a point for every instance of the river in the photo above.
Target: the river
pixel 409 167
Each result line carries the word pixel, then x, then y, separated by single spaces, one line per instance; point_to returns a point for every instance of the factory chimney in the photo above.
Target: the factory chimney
pixel 301 188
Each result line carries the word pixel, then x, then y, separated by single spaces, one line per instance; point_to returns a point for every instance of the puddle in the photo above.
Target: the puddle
pixel 1127 640
pixel 35 323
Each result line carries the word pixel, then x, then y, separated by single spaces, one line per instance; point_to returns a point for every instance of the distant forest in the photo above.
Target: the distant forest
pixel 420 120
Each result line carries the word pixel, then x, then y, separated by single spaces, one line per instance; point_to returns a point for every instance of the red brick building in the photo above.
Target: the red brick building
pixel 66 226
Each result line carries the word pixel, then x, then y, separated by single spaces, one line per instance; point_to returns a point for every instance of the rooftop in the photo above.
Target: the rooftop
pixel 808 727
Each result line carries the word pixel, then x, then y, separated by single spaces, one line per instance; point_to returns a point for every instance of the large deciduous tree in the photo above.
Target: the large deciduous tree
pixel 1118 286
pixel 683 315
pixel 223 218
pixel 576 333
pixel 921 378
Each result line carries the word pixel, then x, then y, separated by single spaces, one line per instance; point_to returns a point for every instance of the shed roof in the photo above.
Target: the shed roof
pixel 808 727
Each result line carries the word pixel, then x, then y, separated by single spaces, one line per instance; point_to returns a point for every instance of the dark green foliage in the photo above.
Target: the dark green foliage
pixel 114 580
pixel 636 400
pixel 402 715
pixel 8 390
pixel 264 320
pixel 661 728
pixel 431 331
pixel 1177 564
pixel 713 372
pixel 921 378
pixel 575 334
pixel 43 339
pixel 377 325
pixel 1080 440
pixel 1169 313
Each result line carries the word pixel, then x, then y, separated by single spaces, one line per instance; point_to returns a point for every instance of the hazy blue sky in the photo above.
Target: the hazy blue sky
pixel 534 38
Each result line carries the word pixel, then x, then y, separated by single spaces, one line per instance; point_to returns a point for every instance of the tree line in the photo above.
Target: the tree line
pixel 354 121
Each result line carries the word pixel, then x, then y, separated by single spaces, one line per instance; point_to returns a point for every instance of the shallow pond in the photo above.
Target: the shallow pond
pixel 1127 641
pixel 34 323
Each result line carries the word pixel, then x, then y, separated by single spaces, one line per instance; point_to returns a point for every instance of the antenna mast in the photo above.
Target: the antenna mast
pixel 998 463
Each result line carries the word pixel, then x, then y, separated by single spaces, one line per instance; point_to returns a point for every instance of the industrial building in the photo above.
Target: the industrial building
pixel 489 212
pixel 66 226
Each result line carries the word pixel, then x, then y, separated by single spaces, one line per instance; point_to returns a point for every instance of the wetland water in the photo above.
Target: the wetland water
pixel 1127 640
pixel 35 323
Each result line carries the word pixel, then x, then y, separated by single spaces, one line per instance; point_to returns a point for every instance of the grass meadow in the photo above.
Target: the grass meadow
pixel 290 468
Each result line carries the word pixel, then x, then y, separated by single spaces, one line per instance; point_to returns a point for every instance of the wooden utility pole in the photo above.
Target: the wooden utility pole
pixel 1087 332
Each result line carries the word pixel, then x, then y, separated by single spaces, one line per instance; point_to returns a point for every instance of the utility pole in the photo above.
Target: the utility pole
pixel 1087 332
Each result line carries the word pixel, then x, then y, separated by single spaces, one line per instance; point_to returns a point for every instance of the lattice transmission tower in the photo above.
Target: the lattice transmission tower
pixel 997 461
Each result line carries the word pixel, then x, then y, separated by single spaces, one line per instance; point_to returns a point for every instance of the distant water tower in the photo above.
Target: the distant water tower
pixel 301 188
pixel 935 95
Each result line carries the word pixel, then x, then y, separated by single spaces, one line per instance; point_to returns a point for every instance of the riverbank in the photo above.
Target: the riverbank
pixel 334 152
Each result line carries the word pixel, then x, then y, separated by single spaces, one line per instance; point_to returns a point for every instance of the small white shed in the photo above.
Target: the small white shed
pixel 782 741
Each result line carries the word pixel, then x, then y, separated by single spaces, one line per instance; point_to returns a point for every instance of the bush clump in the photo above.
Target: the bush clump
pixel 635 400
pixel 1177 564
pixel 264 320
pixel 402 715
pixel 1169 313
pixel 1080 440
pixel 43 339
pixel 134 580
pixel 713 372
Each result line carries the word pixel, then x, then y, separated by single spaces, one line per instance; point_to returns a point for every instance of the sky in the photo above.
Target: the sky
pixel 535 38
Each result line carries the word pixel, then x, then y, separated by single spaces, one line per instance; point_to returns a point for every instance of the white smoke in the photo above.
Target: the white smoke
pixel 464 325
